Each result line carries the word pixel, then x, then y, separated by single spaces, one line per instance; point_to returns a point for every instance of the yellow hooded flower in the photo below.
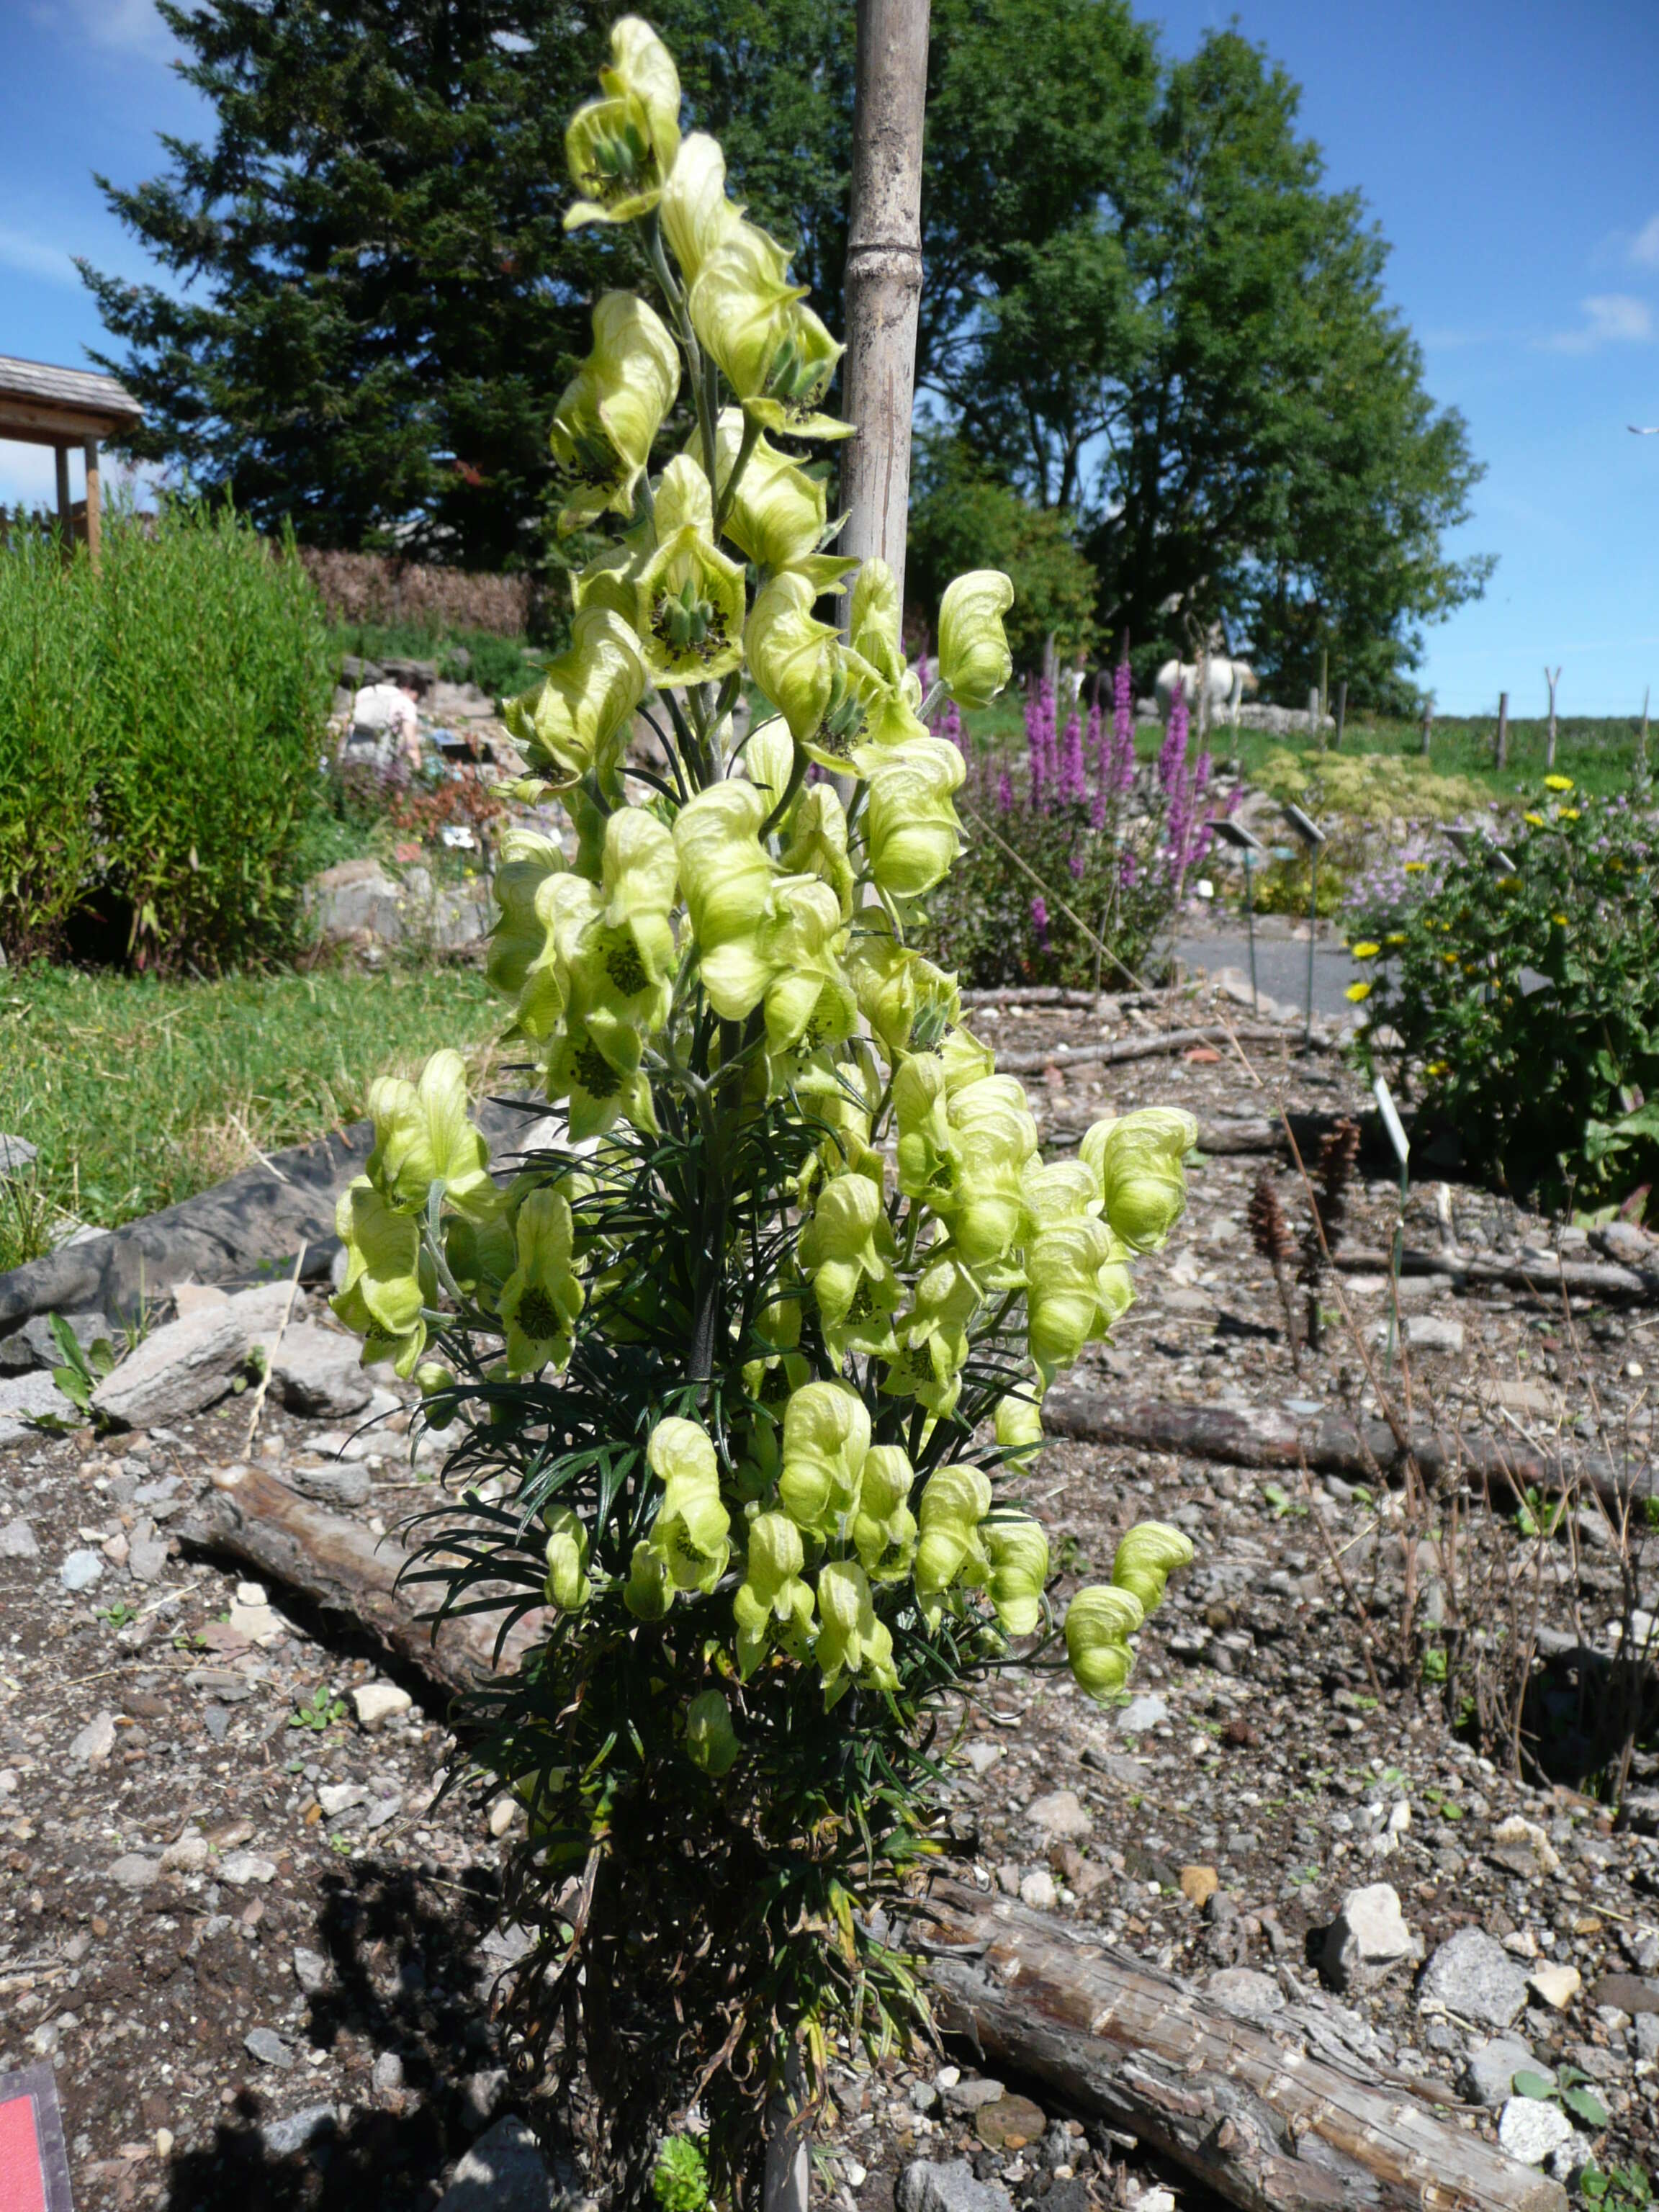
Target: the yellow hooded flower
pixel 992 1137
pixel 905 998
pixel 851 1640
pixel 568 1588
pixel 422 1135
pixel 383 1294
pixel 609 413
pixel 973 659
pixel 873 622
pixel 625 954
pixel 1062 1297
pixel 779 514
pixel 725 875
pixel 817 843
pixel 773 350
pixel 1099 1622
pixel 846 1250
pixel 525 861
pixel 1146 1556
pixel 595 1065
pixel 1139 1160
pixel 911 832
pixel 1018 1548
pixel 692 1528
pixel 541 1299
pixel 711 1742
pixel 1019 1428
pixel 826 1435
pixel 772 1601
pixel 795 659
pixel 622 149
pixel 649 1590
pixel 884 1530
pixel 584 704
pixel 695 214
pixel 951 1550
pixel 933 1336
pixel 690 596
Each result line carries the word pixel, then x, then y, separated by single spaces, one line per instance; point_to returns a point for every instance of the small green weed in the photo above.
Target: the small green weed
pixel 83 1369
pixel 319 1712
pixel 680 2180
pixel 120 1614
pixel 1616 2188
pixel 1567 2090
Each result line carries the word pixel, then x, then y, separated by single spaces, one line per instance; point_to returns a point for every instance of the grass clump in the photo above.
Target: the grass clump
pixel 140 1091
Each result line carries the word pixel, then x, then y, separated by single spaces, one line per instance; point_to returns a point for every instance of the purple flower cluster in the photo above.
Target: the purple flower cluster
pixel 1187 832
pixel 1042 744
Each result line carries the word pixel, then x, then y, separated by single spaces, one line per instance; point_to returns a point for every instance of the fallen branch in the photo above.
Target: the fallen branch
pixel 1051 994
pixel 1502 1468
pixel 1243 2107
pixel 340 1566
pixel 1588 1278
pixel 1139 1047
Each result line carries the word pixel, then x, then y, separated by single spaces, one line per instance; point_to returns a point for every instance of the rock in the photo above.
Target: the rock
pixel 81 1569
pixel 339 1485
pixel 1619 1241
pixel 981 1756
pixel 1037 1890
pixel 1489 2072
pixel 239 1868
pixel 132 1870
pixel 147 1559
pixel 95 1742
pixel 1530 2129
pixel 187 1854
pixel 35 1344
pixel 377 1702
pixel 337 1798
pixel 223 1683
pixel 1555 1986
pixel 1633 1993
pixel 1060 1813
pixel 19 1541
pixel 311 1971
pixel 1199 1884
pixel 28 1398
pixel 297 2132
pixel 968 2096
pixel 388 2073
pixel 1424 1332
pixel 481 2095
pixel 1521 1847
pixel 268 2048
pixel 1142 1714
pixel 315 1372
pixel 503 2172
pixel 1246 1994
pixel 357 899
pixel 1010 2123
pixel 16 1153
pixel 1368 1939
pixel 951 2187
pixel 1473 1976
pixel 180 1369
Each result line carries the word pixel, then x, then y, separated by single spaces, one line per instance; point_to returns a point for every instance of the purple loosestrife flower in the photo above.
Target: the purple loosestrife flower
pixel 1034 744
pixel 1101 762
pixel 951 726
pixel 1124 727
pixel 1073 783
pixel 1040 919
pixel 1074 862
pixel 1005 793
pixel 1128 871
pixel 1050 736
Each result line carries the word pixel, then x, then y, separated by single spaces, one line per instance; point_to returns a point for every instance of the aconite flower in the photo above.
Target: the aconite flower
pixel 692 1528
pixel 621 149
pixel 611 411
pixel 1139 1160
pixel 1020 1428
pixel 933 1336
pixel 778 514
pixel 383 1294
pixel 847 1250
pixel 594 1065
pixel 992 1137
pixel 954 1503
pixel 911 831
pixel 711 1742
pixel 422 1135
pixel 1146 1556
pixel 850 1641
pixel 973 659
pixel 725 875
pixel 649 1590
pixel 568 1588
pixel 1099 1622
pixel 872 621
pixel 773 350
pixel 905 998
pixel 884 1530
pixel 525 859
pixel 1062 1297
pixel 690 594
pixel 695 214
pixel 1018 1548
pixel 826 1434
pixel 772 1602
pixel 585 702
pixel 817 843
pixel 542 1298
pixel 795 659
pixel 625 954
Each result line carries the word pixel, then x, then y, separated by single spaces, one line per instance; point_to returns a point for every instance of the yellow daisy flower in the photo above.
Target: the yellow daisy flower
pixel 1559 920
pixel 1568 814
pixel 1558 783
pixel 1365 951
pixel 1358 991
pixel 1439 1068
pixel 1416 867
pixel 1536 820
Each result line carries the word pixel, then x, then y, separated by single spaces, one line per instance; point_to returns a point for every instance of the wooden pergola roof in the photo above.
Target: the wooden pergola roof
pixel 47 406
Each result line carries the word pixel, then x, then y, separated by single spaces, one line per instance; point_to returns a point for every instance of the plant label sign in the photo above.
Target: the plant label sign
pixel 34 2165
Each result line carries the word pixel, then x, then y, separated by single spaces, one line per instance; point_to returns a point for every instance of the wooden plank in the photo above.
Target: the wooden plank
pixel 65 522
pixel 37 423
pixel 94 520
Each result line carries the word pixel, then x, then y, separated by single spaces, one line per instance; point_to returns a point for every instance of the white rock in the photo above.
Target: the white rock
pixel 1368 1939
pixel 1557 1986
pixel 24 1398
pixel 377 1702
pixel 503 2172
pixel 1521 1847
pixel 1142 1714
pixel 1060 1813
pixel 337 1798
pixel 187 1854
pixel 19 1541
pixel 1424 1332
pixel 315 1372
pixel 134 1871
pixel 180 1369
pixel 981 1756
pixel 1037 1890
pixel 95 1742
pixel 1530 2129
pixel 241 1867
pixel 80 1571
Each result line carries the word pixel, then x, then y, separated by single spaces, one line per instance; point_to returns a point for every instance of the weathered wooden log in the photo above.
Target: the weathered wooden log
pixel 1243 2105
pixel 1048 994
pixel 340 1566
pixel 1501 1467
pixel 1585 1278
pixel 1154 1043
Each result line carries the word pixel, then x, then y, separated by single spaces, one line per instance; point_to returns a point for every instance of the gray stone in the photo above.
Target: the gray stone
pixel 1521 1847
pixel 132 1870
pixel 1646 2029
pixel 27 1398
pixel 1488 2075
pixel 180 1368
pixel 357 899
pixel 95 1742
pixel 315 1372
pixel 1037 1890
pixel 1142 1714
pixel 268 2048
pixel 481 2096
pixel 1531 2130
pixel 81 1569
pixel 224 1683
pixel 1473 1976
pixel 16 1154
pixel 19 1541
pixel 388 2073
pixel 377 1702
pixel 342 1485
pixel 1246 1994
pixel 503 2172
pixel 241 1867
pixel 969 2096
pixel 1368 1939
pixel 297 2132
pixel 950 2187
pixel 1060 1813
pixel 311 1971
pixel 37 1334
pixel 1424 1332
pixel 147 1559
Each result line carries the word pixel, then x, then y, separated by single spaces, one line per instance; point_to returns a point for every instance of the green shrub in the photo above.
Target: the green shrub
pixel 48 756
pixel 212 694
pixel 503 667
pixel 1548 1085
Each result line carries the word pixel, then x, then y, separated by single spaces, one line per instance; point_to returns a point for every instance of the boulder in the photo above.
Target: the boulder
pixel 340 1485
pixel 1473 1976
pixel 503 2172
pixel 355 899
pixel 1368 1939
pixel 315 1372
pixel 180 1369
pixel 25 1398
pixel 951 2186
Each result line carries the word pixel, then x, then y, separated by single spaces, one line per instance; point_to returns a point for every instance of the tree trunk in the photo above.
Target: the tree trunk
pixel 884 277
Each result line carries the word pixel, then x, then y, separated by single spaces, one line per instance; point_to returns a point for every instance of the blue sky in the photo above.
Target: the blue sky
pixel 1507 151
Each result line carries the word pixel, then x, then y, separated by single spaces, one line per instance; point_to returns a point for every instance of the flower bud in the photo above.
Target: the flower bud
pixel 567 1586
pixel 1138 1159
pixel 1019 1428
pixel 911 831
pixel 1018 1548
pixel 1146 1556
pixel 711 1742
pixel 1099 1622
pixel 648 1592
pixel 973 659
pixel 609 413
pixel 826 1435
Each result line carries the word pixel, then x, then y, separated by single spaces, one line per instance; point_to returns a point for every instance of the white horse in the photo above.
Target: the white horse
pixel 1225 683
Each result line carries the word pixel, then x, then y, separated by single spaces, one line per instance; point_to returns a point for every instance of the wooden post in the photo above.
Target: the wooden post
pixel 1342 712
pixel 884 277
pixel 1316 718
pixel 1500 750
pixel 65 525
pixel 94 534
pixel 1428 727
pixel 1551 677
pixel 1324 680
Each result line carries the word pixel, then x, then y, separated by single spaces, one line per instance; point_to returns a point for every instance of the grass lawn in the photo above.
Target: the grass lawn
pixel 139 1093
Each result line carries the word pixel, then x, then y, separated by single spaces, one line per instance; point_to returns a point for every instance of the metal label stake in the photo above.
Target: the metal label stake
pixel 1247 845
pixel 1313 837
pixel 1402 1152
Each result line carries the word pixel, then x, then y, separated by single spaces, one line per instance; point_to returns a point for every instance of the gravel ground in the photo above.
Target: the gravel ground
pixel 260 1960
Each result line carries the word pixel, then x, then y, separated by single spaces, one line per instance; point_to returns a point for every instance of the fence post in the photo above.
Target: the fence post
pixel 1341 712
pixel 1428 727
pixel 1551 677
pixel 1315 720
pixel 1500 751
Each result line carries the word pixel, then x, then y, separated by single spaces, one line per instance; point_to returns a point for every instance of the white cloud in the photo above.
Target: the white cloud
pixel 33 257
pixel 1645 247
pixel 1610 318
pixel 126 26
